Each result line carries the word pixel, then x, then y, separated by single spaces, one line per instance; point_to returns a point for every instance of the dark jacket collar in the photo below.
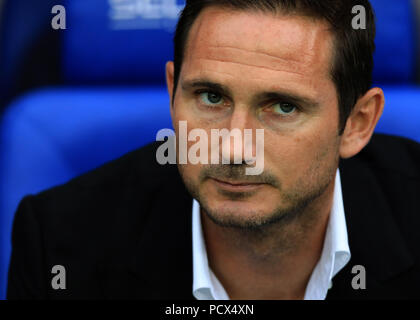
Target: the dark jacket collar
pixel 157 263
pixel 164 253
pixel 375 241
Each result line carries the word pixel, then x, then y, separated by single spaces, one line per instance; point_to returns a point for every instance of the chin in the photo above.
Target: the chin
pixel 239 214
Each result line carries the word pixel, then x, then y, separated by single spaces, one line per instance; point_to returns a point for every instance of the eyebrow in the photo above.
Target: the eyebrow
pixel 280 95
pixel 198 83
pixel 288 97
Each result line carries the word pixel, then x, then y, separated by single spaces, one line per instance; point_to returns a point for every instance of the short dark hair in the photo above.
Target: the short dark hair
pixel 352 65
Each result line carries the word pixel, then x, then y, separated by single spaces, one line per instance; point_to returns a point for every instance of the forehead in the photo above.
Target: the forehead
pixel 259 45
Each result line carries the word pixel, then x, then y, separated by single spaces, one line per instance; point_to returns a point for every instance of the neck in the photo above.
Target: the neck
pixel 273 263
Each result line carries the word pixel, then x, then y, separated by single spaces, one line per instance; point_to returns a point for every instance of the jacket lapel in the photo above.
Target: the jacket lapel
pixel 163 259
pixel 375 241
pixel 155 225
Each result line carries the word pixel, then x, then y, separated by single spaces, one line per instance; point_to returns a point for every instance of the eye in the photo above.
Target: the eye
pixel 283 108
pixel 211 98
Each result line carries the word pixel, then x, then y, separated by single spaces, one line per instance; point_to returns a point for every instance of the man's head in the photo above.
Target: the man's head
pixel 296 69
pixel 352 61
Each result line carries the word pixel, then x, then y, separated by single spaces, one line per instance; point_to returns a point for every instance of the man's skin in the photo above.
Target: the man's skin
pixel 249 54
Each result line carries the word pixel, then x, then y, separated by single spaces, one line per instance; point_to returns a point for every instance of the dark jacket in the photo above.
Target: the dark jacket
pixel 124 229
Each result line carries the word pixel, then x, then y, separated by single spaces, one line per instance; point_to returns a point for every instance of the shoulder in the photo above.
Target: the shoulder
pixel 114 197
pixel 137 169
pixel 390 163
pixel 389 160
pixel 79 224
pixel 385 177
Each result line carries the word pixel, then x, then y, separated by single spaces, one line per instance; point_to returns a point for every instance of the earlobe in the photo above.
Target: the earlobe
pixel 170 80
pixel 362 122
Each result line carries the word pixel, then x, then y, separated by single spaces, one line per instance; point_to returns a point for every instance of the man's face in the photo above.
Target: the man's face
pixel 250 70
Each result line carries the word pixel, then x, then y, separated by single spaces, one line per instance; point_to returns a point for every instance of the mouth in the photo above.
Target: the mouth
pixel 237 186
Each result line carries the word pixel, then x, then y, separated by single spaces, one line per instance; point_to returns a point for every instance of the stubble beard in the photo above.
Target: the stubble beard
pixel 281 230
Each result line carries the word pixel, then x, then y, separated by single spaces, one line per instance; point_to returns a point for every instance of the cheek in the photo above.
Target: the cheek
pixel 288 156
pixel 178 114
pixel 189 171
pixel 184 110
pixel 291 157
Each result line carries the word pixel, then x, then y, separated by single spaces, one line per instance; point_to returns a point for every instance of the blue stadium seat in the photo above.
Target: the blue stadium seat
pixel 118 41
pixel 401 114
pixel 113 100
pixel 23 23
pixel 395 56
pixel 52 135
pixel 395 67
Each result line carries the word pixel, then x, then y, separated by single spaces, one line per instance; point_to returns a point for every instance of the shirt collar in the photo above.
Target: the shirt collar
pixel 205 284
pixel 335 255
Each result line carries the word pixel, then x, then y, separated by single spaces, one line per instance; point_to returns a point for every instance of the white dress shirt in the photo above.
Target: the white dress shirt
pixel 335 255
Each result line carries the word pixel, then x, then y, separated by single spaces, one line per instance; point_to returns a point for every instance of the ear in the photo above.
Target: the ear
pixel 362 122
pixel 170 81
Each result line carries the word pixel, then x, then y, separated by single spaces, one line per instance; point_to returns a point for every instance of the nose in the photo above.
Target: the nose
pixel 237 144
